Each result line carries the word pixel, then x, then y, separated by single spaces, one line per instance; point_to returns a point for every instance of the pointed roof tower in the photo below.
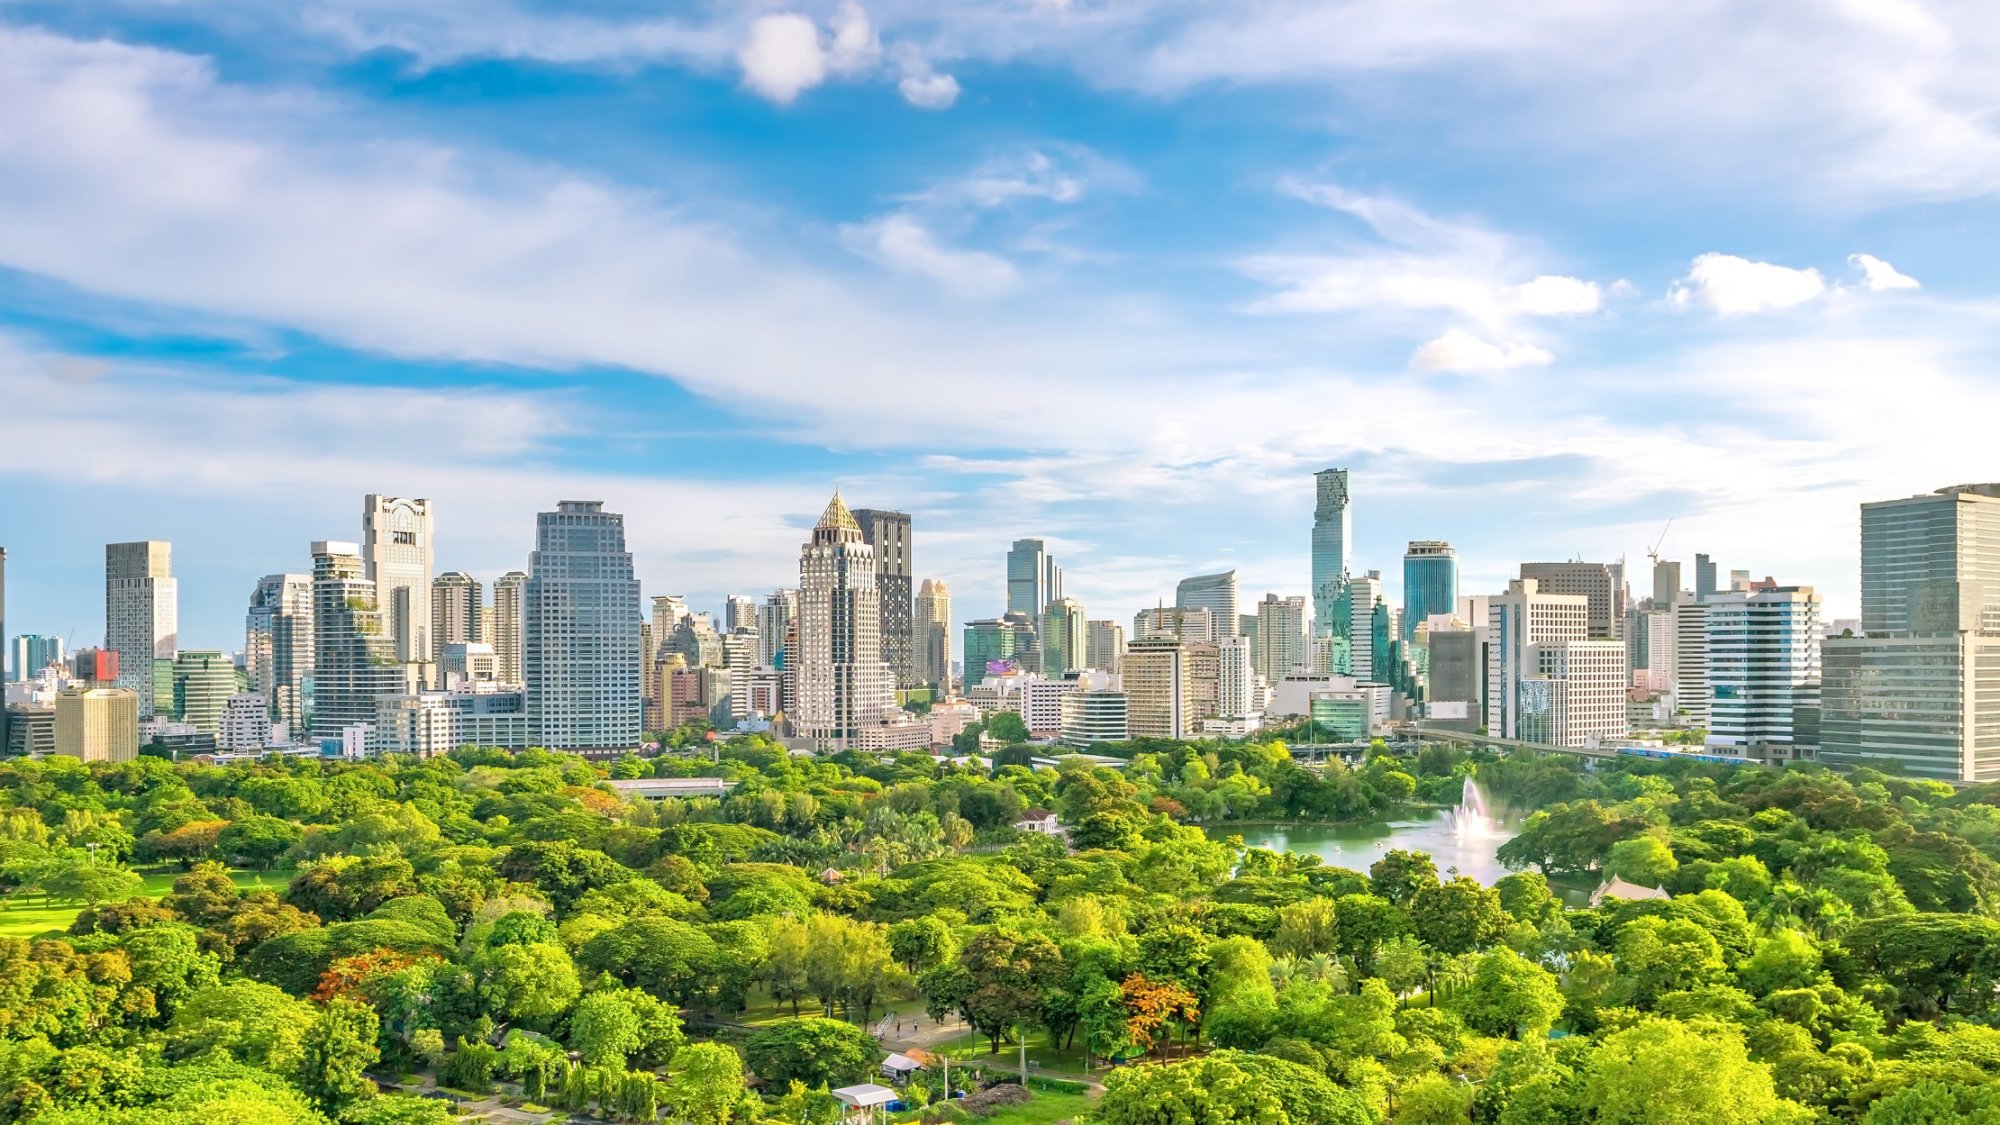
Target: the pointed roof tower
pixel 837 524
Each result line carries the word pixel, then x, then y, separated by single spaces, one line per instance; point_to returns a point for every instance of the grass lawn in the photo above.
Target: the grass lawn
pixel 24 916
pixel 971 1049
pixel 1046 1109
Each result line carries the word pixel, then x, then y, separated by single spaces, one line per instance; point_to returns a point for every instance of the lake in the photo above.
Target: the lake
pixel 1361 844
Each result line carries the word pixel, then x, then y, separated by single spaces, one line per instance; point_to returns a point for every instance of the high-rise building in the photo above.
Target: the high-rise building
pixel 1236 680
pixel 989 648
pixel 30 653
pixel 1332 535
pixel 1594 581
pixel 1281 637
pixel 1364 594
pixel 5 742
pixel 580 646
pixel 141 613
pixel 396 546
pixel 1455 683
pixel 1157 691
pixel 1065 636
pixel 1430 583
pixel 1764 672
pixel 278 646
pixel 888 534
pixel 354 659
pixel 1195 624
pixel 1576 696
pixel 1690 671
pixel 245 725
pixel 457 600
pixel 509 619
pixel 774 621
pixel 931 629
pixel 1104 646
pixel 740 612
pixel 1094 711
pixel 1201 662
pixel 1033 578
pixel 1649 649
pixel 844 685
pixel 1666 583
pixel 1920 690
pixel 1522 624
pixel 96 667
pixel 204 680
pixel 97 724
pixel 1215 593
pixel 1704 578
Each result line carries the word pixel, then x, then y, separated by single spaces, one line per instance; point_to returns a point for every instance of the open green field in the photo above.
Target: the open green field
pixel 26 916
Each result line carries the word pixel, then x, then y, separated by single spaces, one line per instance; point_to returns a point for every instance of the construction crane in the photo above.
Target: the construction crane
pixel 1653 552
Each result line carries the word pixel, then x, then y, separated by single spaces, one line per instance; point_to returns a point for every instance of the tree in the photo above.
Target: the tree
pixel 77 879
pixel 1006 973
pixel 350 886
pixel 1007 726
pixel 337 1052
pixel 1400 874
pixel 1433 1100
pixel 1364 922
pixel 1664 1071
pixel 258 840
pixel 1509 996
pixel 814 1050
pixel 1227 1087
pixel 667 957
pixel 922 944
pixel 1937 962
pixel 533 983
pixel 1661 955
pixel 1306 928
pixel 1642 860
pixel 1155 1006
pixel 707 1085
pixel 610 1026
pixel 1457 917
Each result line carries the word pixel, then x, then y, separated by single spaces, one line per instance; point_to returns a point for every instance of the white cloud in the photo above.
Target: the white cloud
pixel 1460 351
pixel 1879 275
pixel 1554 295
pixel 928 90
pixel 783 57
pixel 1729 285
pixel 855 46
pixel 902 243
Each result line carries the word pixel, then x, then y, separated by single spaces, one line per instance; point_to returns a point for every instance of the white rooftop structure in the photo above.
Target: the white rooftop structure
pixel 660 788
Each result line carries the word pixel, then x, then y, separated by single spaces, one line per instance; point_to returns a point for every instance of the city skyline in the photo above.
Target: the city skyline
pixel 1139 282
pixel 992 577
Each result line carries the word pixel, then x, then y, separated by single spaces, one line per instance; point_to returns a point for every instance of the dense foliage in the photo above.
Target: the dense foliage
pixel 1830 949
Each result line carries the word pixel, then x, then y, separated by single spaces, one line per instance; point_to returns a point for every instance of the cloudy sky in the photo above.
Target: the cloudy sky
pixel 1117 273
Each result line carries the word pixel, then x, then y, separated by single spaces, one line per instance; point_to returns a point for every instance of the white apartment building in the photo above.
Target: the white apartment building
pixel 1236 680
pixel 1096 711
pixel 245 725
pixel 1518 622
pixel 1041 703
pixel 1157 689
pixel 1281 637
pixel 1690 664
pixel 431 723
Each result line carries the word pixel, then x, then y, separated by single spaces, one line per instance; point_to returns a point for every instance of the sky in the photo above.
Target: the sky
pixel 1118 274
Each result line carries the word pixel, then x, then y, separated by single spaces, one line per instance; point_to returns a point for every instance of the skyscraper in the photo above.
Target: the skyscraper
pixel 739 612
pixel 1065 635
pixel 888 534
pixel 1104 646
pixel 1921 689
pixel 203 682
pixel 1594 581
pixel 1333 531
pixel 141 614
pixel 354 659
pixel 1281 637
pixel 1546 680
pixel 844 685
pixel 1704 577
pixel 1033 578
pixel 3 640
pixel 457 600
pixel 580 643
pixel 1666 583
pixel 1215 593
pixel 1764 672
pixel 278 646
pixel 32 652
pixel 509 609
pixel 774 621
pixel 932 628
pixel 396 545
pixel 1430 583
pixel 1157 690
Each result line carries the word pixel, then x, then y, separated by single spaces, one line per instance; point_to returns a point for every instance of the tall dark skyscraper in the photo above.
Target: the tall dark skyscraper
pixel 1704 578
pixel 580 641
pixel 3 637
pixel 1430 582
pixel 1333 532
pixel 889 534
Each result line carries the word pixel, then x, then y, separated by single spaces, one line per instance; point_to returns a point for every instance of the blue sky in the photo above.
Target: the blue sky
pixel 1117 273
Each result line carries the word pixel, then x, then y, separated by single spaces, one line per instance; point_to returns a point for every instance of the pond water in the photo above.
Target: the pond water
pixel 1358 845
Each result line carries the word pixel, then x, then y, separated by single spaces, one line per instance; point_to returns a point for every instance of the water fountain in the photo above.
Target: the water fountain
pixel 1471 820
